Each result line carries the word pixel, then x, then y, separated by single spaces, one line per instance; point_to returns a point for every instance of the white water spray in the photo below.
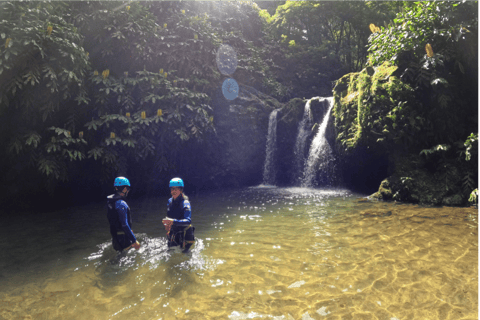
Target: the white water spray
pixel 320 154
pixel 269 166
pixel 303 132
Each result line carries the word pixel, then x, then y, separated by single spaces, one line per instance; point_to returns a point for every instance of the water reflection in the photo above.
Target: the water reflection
pixel 263 252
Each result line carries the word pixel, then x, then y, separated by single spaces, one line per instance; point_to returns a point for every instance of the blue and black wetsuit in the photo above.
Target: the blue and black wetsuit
pixel 120 220
pixel 181 233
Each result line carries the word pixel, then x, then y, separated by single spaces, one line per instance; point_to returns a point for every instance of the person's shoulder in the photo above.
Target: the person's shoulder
pixel 121 203
pixel 114 197
pixel 186 204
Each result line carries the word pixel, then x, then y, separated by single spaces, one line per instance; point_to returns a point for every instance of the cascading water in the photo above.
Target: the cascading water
pixel 320 154
pixel 303 132
pixel 269 166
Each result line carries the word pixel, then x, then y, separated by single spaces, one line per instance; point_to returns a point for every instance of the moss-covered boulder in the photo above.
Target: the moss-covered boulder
pixel 374 107
pixel 376 113
pixel 412 182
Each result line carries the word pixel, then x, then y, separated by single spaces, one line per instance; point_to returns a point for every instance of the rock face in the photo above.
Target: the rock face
pixel 237 151
pixel 234 156
pixel 364 105
pixel 375 122
pixel 288 119
pixel 369 107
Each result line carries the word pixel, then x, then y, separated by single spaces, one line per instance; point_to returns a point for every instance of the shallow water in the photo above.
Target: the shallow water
pixel 261 253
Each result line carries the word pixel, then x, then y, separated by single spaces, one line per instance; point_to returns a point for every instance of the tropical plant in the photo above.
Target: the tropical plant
pixel 105 86
pixel 69 97
pixel 150 111
pixel 42 69
pixel 320 41
pixel 434 45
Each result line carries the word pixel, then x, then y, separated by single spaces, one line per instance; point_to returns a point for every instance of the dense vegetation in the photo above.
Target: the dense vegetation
pixel 91 90
pixel 422 104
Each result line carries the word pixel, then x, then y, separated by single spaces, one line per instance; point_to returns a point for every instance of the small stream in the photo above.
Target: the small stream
pixel 261 253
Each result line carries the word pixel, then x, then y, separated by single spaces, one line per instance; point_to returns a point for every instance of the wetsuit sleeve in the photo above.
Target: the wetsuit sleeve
pixel 187 215
pixel 169 203
pixel 122 209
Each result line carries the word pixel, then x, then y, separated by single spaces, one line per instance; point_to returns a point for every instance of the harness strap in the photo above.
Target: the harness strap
pixel 184 234
pixel 172 236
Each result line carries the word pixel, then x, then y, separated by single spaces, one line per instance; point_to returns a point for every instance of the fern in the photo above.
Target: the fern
pixel 436 149
pixel 468 183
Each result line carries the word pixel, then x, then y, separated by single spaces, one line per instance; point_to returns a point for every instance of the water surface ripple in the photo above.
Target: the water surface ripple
pixel 261 253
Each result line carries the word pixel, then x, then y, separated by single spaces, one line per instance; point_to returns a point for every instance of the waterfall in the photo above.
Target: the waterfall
pixel 303 132
pixel 269 166
pixel 320 154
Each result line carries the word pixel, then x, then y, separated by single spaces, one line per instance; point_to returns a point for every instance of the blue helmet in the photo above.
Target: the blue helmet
pixel 176 182
pixel 121 181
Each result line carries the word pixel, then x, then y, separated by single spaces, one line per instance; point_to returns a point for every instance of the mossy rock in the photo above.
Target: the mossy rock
pixel 292 111
pixel 418 185
pixel 368 106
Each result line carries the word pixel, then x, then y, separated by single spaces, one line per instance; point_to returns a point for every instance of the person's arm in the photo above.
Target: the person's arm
pixel 122 209
pixel 187 214
pixel 169 204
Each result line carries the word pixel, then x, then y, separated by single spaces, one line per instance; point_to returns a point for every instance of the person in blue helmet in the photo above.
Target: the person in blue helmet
pixel 120 218
pixel 178 222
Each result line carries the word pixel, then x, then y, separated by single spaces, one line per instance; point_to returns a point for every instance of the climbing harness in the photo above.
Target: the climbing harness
pixel 178 238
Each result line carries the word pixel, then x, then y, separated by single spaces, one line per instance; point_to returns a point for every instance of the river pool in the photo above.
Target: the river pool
pixel 261 253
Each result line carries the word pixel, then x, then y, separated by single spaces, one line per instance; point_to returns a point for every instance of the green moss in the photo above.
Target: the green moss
pixel 370 105
pixel 375 109
pixel 384 191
